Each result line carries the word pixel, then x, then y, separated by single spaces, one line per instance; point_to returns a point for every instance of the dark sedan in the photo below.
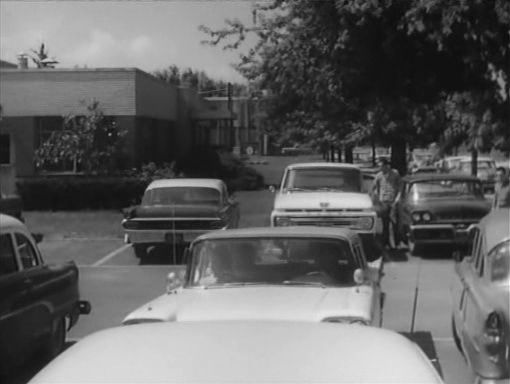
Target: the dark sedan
pixel 438 209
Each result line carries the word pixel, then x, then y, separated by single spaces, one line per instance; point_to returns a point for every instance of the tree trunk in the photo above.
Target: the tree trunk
pixel 339 154
pixel 348 154
pixel 474 162
pixel 399 156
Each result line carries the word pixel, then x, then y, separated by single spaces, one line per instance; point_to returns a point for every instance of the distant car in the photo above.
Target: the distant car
pixel 448 163
pixel 424 169
pixel 176 211
pixel 420 158
pixel 481 300
pixel 39 302
pixel 242 352
pixel 292 273
pixel 486 170
pixel 438 209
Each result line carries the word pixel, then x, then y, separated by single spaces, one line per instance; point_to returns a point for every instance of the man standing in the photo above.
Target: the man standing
pixel 501 189
pixel 385 189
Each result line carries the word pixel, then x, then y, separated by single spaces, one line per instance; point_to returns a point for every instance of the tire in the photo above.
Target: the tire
pixel 140 250
pixel 57 339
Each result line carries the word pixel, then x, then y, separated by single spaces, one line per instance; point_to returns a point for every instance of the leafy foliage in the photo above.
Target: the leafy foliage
pixel 353 70
pixel 92 143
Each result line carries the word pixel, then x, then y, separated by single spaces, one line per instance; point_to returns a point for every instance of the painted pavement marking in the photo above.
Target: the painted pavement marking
pixel 111 255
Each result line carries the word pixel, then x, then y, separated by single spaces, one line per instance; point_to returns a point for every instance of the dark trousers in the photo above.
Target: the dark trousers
pixel 384 214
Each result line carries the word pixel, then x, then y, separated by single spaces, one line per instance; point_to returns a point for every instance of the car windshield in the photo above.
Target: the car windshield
pixel 341 179
pixel 431 189
pixel 274 261
pixel 181 196
pixel 500 260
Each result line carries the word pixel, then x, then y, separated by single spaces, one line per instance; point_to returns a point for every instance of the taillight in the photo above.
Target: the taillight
pixel 493 333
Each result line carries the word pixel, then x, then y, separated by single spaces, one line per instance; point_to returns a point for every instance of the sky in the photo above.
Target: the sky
pixel 149 35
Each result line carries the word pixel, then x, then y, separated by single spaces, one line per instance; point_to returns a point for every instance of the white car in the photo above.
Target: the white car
pixel 327 194
pixel 294 273
pixel 241 352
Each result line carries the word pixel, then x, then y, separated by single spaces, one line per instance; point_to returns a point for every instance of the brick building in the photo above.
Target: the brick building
pixel 162 121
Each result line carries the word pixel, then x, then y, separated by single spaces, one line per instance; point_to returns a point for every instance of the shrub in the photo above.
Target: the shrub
pixel 75 193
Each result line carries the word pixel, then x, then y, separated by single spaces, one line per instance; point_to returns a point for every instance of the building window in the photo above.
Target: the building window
pixel 5 149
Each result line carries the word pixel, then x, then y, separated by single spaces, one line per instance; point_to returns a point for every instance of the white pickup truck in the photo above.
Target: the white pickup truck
pixel 327 194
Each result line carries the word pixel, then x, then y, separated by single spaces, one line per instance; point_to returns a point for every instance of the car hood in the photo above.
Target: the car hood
pixel 258 303
pixel 313 200
pixel 468 208
pixel 155 211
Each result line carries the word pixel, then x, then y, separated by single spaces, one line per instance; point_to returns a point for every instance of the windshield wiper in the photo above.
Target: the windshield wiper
pixel 304 283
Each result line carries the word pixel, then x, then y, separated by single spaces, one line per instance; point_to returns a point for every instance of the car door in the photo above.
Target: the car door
pixel 471 298
pixel 15 320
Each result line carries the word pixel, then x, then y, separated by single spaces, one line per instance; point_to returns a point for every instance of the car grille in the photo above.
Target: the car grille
pixel 172 224
pixel 459 216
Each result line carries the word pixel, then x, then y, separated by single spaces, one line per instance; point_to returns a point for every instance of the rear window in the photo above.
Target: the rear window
pixel 500 262
pixel 181 196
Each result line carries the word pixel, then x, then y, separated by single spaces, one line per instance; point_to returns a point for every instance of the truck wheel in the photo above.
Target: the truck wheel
pixel 140 250
pixel 57 340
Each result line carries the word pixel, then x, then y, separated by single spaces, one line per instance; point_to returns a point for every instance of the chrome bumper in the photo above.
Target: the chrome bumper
pixel 162 236
pixel 439 233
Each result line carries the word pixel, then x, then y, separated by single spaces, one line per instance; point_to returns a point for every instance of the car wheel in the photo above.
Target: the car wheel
pixel 456 337
pixel 57 339
pixel 140 250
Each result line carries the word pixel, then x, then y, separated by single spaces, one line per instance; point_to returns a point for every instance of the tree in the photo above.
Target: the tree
pixel 396 61
pixel 41 58
pixel 91 143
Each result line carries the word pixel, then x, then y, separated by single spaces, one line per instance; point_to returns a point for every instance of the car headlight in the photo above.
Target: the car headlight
pixel 416 216
pixel 282 221
pixel 365 222
pixel 130 224
pixel 426 216
pixel 345 320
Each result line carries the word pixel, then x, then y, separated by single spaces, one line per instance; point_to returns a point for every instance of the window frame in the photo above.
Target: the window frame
pixel 17 261
pixel 36 255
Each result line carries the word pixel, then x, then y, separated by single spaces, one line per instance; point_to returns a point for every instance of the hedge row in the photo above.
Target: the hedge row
pixel 76 193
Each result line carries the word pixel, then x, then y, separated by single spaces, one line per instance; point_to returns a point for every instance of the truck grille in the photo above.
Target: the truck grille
pixel 325 221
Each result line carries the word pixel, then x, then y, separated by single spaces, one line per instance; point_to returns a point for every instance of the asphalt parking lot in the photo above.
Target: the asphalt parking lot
pixel 417 288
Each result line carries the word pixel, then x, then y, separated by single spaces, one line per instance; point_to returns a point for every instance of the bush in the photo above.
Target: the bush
pixel 75 193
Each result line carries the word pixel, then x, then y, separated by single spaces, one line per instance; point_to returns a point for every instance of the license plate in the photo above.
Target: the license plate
pixel 173 238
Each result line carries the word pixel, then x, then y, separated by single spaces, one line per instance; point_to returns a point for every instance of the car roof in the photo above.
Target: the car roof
pixel 496 227
pixel 8 223
pixel 323 165
pixel 186 182
pixel 291 231
pixel 241 352
pixel 439 176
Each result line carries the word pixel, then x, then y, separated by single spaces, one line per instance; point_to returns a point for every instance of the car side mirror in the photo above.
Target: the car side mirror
pixel 38 237
pixel 272 189
pixel 359 276
pixel 174 280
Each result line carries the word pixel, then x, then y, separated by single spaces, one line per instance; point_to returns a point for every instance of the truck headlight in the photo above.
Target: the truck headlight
pixel 426 216
pixel 416 217
pixel 282 221
pixel 365 222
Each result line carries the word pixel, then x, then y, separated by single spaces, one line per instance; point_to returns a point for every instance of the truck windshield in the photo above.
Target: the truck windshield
pixel 338 179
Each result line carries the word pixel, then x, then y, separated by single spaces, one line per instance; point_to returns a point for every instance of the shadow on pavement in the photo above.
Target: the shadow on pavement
pixel 29 369
pixel 163 255
pixel 426 343
pixel 438 252
pixel 396 255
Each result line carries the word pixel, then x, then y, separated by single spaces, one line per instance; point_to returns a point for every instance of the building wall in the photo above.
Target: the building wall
pixel 155 98
pixel 53 92
pixel 22 132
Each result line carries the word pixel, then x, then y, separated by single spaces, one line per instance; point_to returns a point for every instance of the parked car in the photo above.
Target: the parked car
pixel 481 299
pixel 242 352
pixel 11 205
pixel 486 171
pixel 291 273
pixel 438 209
pixel 176 211
pixel 328 194
pixel 39 302
pixel 424 169
pixel 448 163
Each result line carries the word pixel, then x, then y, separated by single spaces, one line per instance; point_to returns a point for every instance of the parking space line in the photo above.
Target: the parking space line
pixel 111 255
